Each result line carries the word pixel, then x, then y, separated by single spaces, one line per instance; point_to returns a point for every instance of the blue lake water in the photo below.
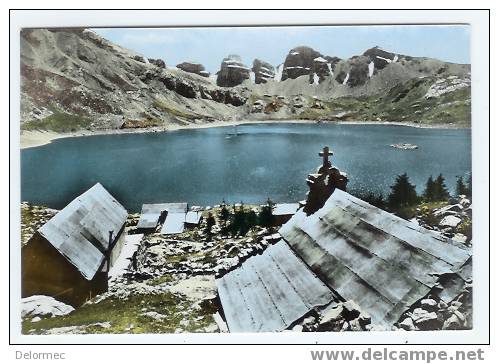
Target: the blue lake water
pixel 204 166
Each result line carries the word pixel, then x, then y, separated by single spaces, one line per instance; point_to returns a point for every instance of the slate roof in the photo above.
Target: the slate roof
pixel 80 231
pixel 269 292
pixel 365 254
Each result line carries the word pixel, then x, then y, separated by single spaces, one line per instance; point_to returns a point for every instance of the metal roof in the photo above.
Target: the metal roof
pixel 150 213
pixel 80 231
pixel 380 261
pixel 174 223
pixel 285 209
pixel 269 292
pixel 193 217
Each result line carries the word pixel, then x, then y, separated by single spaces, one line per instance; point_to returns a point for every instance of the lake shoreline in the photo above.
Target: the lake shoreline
pixel 36 138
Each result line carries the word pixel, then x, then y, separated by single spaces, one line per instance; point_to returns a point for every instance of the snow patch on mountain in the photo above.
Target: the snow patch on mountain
pixel 371 69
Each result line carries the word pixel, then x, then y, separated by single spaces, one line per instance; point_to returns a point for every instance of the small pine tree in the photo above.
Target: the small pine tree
pixel 403 193
pixel 265 217
pixel 238 226
pixel 461 188
pixel 210 222
pixel 251 219
pixel 429 192
pixel 224 215
pixel 468 181
pixel 441 192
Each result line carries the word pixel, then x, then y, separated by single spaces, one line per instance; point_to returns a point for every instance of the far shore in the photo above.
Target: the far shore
pixel 36 138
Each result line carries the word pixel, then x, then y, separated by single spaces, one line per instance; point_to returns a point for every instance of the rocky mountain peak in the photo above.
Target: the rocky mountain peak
pixel 299 62
pixel 232 71
pixel 263 71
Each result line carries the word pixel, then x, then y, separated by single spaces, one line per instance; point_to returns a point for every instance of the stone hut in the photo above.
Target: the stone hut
pixel 69 257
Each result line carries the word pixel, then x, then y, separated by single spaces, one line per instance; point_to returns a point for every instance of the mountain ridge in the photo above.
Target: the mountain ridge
pixel 73 79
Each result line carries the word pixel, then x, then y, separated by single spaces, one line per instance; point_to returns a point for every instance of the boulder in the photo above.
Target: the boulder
pixel 157 62
pixel 407 324
pixel 263 71
pixel 196 68
pixel 232 72
pixel 448 210
pixel 330 318
pixel 460 238
pixel 424 320
pixel 429 304
pixel 351 310
pixel 450 221
pixel 43 306
pixel 309 324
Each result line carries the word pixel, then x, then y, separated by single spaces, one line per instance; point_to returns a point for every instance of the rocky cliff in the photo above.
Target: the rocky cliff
pixel 232 71
pixel 74 79
pixel 77 79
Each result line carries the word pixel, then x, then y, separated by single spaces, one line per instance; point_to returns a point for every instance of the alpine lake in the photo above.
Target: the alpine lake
pixel 249 163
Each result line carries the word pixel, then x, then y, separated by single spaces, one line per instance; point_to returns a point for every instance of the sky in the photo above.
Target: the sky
pixel 271 44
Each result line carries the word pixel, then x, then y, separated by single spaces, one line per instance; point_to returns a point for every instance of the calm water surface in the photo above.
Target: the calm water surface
pixel 204 166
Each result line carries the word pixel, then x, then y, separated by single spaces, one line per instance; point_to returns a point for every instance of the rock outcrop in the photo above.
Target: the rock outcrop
pixel 380 57
pixel 232 72
pixel 157 62
pixel 299 62
pixel 263 71
pixel 196 68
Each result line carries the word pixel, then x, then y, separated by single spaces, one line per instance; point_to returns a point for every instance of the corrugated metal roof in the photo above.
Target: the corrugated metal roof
pixel 193 217
pixel 80 231
pixel 174 223
pixel 285 209
pixel 270 291
pixel 150 213
pixel 365 254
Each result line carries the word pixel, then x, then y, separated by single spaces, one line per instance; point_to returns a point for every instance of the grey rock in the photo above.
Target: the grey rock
pixel 232 72
pixel 407 324
pixel 450 221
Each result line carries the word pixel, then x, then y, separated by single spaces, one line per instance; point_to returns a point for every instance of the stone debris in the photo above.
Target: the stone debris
pixel 452 220
pixel 345 316
pixel 434 314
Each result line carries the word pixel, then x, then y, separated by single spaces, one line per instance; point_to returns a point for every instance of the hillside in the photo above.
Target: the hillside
pixel 73 79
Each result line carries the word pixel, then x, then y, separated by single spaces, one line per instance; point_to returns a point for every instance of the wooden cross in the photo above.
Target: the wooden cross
pixel 325 156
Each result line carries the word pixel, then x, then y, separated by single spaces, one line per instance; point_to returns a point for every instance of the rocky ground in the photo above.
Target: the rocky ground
pixel 32 218
pixel 169 286
pixel 451 218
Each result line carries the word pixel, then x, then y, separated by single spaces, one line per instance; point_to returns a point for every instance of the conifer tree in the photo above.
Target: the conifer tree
pixel 210 222
pixel 403 193
pixel 265 217
pixel 429 192
pixel 441 192
pixel 461 188
pixel 468 181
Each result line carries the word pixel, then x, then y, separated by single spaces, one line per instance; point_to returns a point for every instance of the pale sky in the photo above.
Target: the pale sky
pixel 210 45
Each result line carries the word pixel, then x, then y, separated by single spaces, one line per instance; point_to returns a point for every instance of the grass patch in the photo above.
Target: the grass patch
pixel 127 316
pixel 164 107
pixel 59 121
